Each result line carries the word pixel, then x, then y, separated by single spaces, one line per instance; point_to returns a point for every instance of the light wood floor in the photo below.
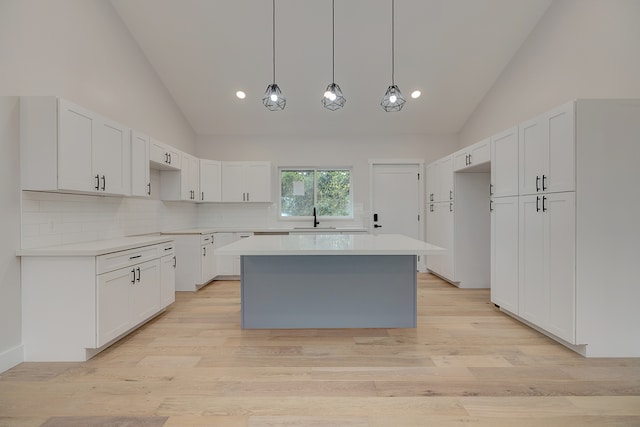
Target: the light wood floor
pixel 465 364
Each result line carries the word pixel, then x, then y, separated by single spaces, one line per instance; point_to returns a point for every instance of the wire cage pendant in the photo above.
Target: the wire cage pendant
pixel 393 99
pixel 273 98
pixel 333 98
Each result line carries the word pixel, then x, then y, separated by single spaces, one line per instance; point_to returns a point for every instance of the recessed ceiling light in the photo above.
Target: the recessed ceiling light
pixel 416 94
pixel 240 94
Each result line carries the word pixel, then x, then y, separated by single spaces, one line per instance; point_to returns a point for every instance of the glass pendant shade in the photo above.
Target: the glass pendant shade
pixel 393 99
pixel 333 98
pixel 273 98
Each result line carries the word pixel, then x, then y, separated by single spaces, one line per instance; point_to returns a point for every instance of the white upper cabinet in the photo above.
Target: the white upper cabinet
pixel 473 157
pixel 445 174
pixel 547 152
pixel 181 184
pixel 504 163
pixel 246 181
pixel 210 181
pixel 163 156
pixel 433 183
pixel 67 147
pixel 140 173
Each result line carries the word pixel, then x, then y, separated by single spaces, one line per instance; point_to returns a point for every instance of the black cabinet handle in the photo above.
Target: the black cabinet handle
pixel 450 207
pixel 544 203
pixel 170 158
pixel 537 183
pixel 202 195
pixel 97 182
pixel 166 157
pixel 204 251
pixel 104 182
pixel 450 194
pixel 491 189
pixel 138 269
pixel 469 159
pixel 247 197
pixel 149 189
pixel 544 183
pixel 377 226
pixel 134 257
pixel 490 205
pixel 537 203
pixel 133 272
pixel 174 262
pixel 169 248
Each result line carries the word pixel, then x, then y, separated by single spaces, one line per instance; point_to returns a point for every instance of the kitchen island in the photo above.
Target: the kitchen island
pixel 328 281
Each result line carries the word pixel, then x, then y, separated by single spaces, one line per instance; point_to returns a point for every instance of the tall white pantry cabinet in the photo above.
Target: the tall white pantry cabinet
pixel 578 210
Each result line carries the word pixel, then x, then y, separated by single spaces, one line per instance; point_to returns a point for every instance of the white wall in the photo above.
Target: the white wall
pixel 80 50
pixel 10 312
pixel 320 150
pixel 579 49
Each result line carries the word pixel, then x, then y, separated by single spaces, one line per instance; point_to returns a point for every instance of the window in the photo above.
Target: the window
pixel 328 190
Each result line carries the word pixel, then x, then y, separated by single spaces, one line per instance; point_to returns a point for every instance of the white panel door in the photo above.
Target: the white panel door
pixel 560 123
pixel 534 155
pixel 111 157
pixel 532 292
pixel 233 182
pixel 76 135
pixel 504 163
pixel 114 303
pixel 396 200
pixel 258 181
pixel 560 255
pixel 146 292
pixel 504 253
pixel 210 181
pixel 140 174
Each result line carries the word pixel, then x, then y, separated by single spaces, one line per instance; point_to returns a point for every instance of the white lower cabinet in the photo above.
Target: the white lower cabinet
pixel 168 265
pixel 504 253
pixel 547 263
pixel 228 265
pixel 74 306
pixel 197 264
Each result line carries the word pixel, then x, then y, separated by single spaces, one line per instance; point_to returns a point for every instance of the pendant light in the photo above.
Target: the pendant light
pixel 393 99
pixel 273 98
pixel 333 98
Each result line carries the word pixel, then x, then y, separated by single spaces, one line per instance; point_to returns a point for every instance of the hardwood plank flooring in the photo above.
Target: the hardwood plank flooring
pixel 465 364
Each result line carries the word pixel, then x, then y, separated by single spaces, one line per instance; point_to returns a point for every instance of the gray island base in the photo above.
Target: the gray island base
pixel 328 291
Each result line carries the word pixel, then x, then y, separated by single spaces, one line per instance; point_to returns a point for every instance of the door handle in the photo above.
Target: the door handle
pixel 202 195
pixel 544 183
pixel 174 262
pixel 377 226
pixel 537 183
pixel 544 203
pixel 169 158
pixel 166 158
pixel 490 205
pixel 149 189
pixel 138 269
pixel 450 194
pixel 537 203
pixel 97 182
pixel 104 182
pixel 133 272
pixel 450 207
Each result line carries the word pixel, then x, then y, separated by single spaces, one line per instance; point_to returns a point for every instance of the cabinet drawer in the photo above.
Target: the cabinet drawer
pixel 167 249
pixel 116 260
pixel 206 239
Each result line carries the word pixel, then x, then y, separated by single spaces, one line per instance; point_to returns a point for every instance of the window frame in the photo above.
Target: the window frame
pixel 315 170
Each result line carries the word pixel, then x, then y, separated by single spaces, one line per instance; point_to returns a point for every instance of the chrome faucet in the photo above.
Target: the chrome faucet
pixel 315 218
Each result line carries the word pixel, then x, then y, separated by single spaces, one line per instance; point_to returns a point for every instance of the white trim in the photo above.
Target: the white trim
pixel 12 357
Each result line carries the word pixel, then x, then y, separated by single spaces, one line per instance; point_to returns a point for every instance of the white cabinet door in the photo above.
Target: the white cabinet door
pixel 433 183
pixel 560 123
pixel 547 262
pixel 258 181
pixel 168 265
pixel 207 263
pixel 163 156
pixel 433 236
pixel 504 253
pixel 447 241
pixel 189 177
pixel 561 240
pixel 210 181
pixel 233 189
pixel 145 293
pixel 114 304
pixel 547 152
pixel 532 299
pixel 474 155
pixel 224 263
pixel 140 173
pixel 76 135
pixel 504 163
pixel 460 160
pixel 111 157
pixel 445 174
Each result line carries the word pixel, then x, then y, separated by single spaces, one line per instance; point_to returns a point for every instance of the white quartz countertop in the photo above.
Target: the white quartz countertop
pixel 330 244
pixel 319 230
pixel 95 248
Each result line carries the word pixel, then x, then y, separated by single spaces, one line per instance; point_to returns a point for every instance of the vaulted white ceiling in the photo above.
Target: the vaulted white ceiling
pixel 206 50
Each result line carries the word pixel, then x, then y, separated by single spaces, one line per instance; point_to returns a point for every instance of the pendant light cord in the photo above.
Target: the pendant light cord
pixel 274 41
pixel 393 42
pixel 333 41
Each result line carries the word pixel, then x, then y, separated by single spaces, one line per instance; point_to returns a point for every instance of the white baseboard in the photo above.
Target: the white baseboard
pixel 12 357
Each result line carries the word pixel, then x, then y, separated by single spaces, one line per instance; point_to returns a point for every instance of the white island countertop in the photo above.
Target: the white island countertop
pixel 330 244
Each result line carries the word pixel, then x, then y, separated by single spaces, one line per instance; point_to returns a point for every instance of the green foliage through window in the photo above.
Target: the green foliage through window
pixel 329 190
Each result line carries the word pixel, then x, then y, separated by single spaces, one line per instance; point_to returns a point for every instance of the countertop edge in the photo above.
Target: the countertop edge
pixel 95 248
